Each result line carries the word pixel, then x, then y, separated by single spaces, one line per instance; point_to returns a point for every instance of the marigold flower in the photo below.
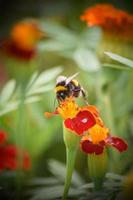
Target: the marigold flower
pixel 25 35
pixel 12 154
pixel 10 49
pixel 110 19
pixel 9 158
pixel 77 119
pixel 22 41
pixel 85 122
pixel 98 138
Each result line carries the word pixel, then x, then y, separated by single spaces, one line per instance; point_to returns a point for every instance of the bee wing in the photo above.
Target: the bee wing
pixel 71 77
pixel 60 79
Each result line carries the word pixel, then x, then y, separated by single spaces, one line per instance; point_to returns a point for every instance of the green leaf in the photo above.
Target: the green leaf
pixel 32 80
pixel 53 192
pixel 46 76
pixel 9 107
pixel 59 170
pixel 58 32
pixel 91 37
pixel 86 59
pixel 55 45
pixel 41 89
pixel 43 181
pixel 120 59
pixel 10 99
pixel 7 91
pixel 32 99
pixel 115 66
pixel 114 176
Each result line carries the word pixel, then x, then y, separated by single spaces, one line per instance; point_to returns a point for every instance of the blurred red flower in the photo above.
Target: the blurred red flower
pixel 3 137
pixel 11 157
pixel 22 41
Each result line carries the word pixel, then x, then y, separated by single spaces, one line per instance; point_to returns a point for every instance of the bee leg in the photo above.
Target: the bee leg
pixel 54 104
pixel 86 102
pixel 84 97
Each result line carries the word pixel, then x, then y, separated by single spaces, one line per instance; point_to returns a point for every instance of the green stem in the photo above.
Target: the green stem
pixel 109 113
pixel 71 155
pixel 71 142
pixel 97 168
pixel 20 140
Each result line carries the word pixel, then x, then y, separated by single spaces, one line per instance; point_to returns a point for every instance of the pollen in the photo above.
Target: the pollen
pixel 68 108
pixel 98 134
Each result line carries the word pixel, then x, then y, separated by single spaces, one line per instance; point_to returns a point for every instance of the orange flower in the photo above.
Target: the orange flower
pixel 22 41
pixel 77 119
pixel 86 122
pixel 98 138
pixel 110 19
pixel 25 35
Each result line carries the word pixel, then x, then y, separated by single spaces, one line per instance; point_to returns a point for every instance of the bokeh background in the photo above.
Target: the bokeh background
pixel 66 45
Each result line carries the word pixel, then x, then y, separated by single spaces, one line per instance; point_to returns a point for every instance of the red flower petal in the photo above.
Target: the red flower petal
pixel 86 119
pixel 3 136
pixel 12 50
pixel 2 158
pixel 11 154
pixel 89 148
pixel 69 124
pixel 26 161
pixel 118 143
pixel 81 123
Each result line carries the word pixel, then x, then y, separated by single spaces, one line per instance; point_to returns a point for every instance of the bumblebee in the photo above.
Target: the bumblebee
pixel 68 86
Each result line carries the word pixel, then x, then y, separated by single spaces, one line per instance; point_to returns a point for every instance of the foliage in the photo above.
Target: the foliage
pixel 37 85
pixel 81 47
pixel 128 64
pixel 52 187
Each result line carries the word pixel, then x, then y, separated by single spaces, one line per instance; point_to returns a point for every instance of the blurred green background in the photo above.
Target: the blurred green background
pixel 27 91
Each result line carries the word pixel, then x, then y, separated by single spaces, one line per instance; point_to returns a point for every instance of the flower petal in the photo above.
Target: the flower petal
pixel 69 124
pixel 10 49
pixel 86 119
pixel 3 137
pixel 50 114
pixel 117 142
pixel 81 123
pixel 88 147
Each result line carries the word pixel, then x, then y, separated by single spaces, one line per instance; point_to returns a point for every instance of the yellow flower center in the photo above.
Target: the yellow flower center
pixel 98 133
pixel 68 108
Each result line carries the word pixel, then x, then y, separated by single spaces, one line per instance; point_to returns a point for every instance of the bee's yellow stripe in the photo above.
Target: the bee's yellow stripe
pixel 75 82
pixel 60 88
